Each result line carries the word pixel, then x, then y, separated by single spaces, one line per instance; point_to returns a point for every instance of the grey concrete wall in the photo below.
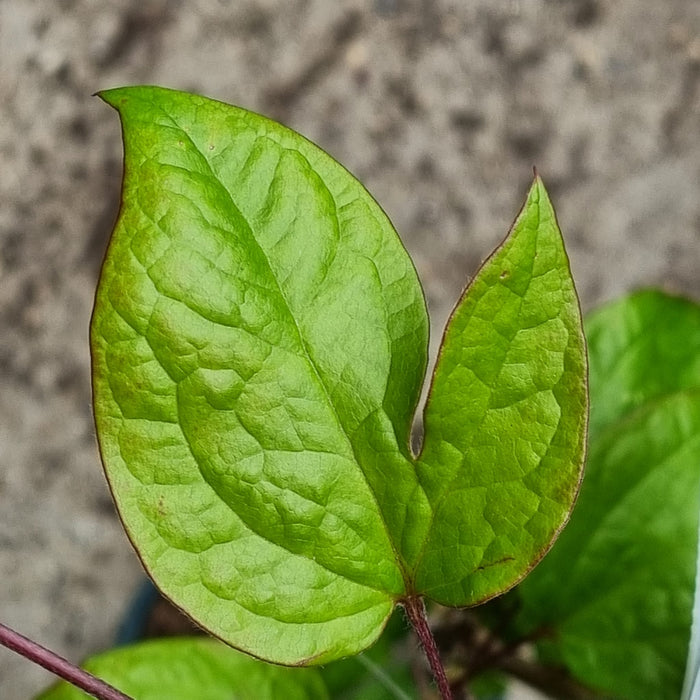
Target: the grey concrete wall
pixel 441 108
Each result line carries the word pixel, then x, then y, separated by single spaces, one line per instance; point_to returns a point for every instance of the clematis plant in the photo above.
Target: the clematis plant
pixel 259 347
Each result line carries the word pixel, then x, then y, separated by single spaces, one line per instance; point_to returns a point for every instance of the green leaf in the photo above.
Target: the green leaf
pixel 187 668
pixel 505 421
pixel 641 348
pixel 259 344
pixel 616 591
pixel 259 341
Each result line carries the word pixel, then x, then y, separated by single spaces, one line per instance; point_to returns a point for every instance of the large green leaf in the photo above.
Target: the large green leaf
pixel 259 343
pixel 187 668
pixel 505 421
pixel 616 591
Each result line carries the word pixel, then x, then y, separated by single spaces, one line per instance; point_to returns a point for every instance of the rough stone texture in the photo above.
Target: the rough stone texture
pixel 440 107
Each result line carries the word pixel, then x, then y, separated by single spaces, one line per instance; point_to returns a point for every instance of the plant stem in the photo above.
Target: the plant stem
pixel 58 665
pixel 415 610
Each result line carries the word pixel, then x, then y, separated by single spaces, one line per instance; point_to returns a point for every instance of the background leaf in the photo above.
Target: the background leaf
pixel 259 341
pixel 187 668
pixel 616 590
pixel 380 673
pixel 641 347
pixel 506 416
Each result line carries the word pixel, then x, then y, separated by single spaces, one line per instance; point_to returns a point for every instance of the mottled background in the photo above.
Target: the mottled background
pixel 441 108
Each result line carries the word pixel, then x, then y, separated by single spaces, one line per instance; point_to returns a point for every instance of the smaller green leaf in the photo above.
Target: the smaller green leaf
pixel 189 668
pixel 505 421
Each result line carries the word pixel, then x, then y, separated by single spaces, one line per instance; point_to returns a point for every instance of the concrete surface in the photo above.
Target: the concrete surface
pixel 440 107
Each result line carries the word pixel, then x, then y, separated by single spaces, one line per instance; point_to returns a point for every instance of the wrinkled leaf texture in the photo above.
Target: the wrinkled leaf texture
pixel 259 344
pixel 616 590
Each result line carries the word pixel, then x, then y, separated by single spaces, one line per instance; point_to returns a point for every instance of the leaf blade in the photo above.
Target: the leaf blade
pixel 221 378
pixel 507 460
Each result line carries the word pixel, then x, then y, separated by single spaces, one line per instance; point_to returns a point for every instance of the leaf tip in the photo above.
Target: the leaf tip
pixel 118 97
pixel 537 183
pixel 111 96
pixel 538 192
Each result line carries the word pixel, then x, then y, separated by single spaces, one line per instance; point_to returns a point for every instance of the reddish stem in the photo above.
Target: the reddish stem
pixel 58 665
pixel 415 610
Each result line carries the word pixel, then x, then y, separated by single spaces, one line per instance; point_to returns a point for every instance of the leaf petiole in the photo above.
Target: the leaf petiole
pixel 415 611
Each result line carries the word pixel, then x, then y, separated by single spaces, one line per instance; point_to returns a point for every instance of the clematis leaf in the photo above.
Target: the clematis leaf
pixel 259 344
pixel 505 421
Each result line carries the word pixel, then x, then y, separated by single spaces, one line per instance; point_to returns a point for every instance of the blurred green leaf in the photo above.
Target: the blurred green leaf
pixel 187 668
pixel 641 347
pixel 614 596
